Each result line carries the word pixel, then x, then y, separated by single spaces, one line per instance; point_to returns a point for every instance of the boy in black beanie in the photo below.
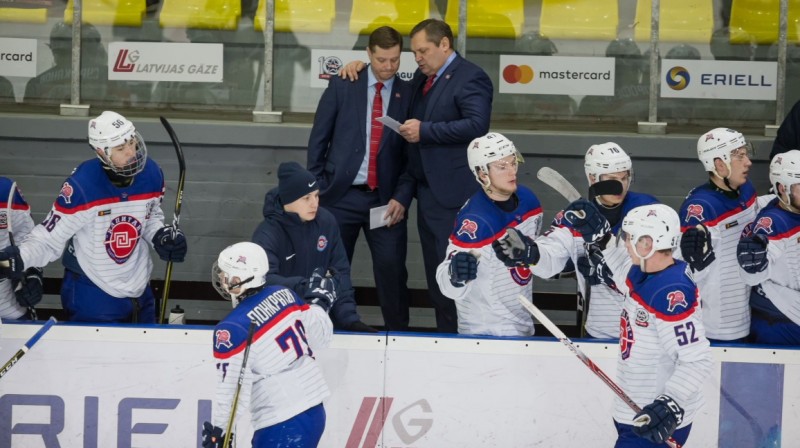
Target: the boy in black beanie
pixel 302 239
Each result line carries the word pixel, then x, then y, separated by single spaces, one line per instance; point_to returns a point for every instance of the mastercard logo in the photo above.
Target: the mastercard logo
pixel 522 74
pixel 677 78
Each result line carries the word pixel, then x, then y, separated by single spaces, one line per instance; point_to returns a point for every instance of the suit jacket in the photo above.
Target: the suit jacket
pixel 337 143
pixel 458 109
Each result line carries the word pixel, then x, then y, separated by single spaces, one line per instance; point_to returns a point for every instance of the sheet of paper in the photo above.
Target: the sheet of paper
pixel 376 217
pixel 389 122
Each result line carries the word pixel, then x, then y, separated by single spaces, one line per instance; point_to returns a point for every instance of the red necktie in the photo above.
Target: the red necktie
pixel 428 84
pixel 374 136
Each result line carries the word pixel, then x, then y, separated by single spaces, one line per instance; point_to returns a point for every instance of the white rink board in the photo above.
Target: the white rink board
pixel 151 387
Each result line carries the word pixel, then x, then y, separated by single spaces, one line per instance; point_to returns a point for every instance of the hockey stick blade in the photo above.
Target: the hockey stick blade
pixel 556 181
pixel 28 345
pixel 553 328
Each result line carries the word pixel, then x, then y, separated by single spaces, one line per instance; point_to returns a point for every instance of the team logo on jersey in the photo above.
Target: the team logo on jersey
pixel 223 339
pixel 66 192
pixel 468 227
pixel 642 316
pixel 676 298
pixel 764 223
pixel 694 211
pixel 520 275
pixel 625 335
pixel 121 237
pixel 3 220
pixel 322 243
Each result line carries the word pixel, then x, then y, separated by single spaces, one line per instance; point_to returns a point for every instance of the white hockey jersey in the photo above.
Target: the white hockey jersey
pixel 562 243
pixel 726 298
pixel 21 226
pixel 282 378
pixel 780 281
pixel 488 305
pixel 663 347
pixel 111 228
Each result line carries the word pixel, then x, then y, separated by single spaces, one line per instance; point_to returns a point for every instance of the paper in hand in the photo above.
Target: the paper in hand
pixel 376 217
pixel 389 122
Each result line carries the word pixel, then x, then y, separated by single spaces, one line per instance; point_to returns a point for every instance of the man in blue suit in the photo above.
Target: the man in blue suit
pixel 451 106
pixel 359 164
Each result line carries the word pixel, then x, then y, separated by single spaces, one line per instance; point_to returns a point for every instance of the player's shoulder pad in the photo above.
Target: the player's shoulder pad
pixel 527 198
pixel 698 208
pixel 634 199
pixel 230 335
pixel 773 222
pixel 81 187
pixel 676 297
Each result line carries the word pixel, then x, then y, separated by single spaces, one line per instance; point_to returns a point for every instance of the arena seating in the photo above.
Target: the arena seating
pixel 489 18
pixel 206 14
pixel 367 15
pixel 303 16
pixel 109 12
pixel 33 15
pixel 757 21
pixel 679 21
pixel 579 19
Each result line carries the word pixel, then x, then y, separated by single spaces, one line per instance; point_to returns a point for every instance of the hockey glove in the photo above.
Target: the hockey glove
pixel 696 247
pixel 463 268
pixel 516 249
pixel 587 220
pixel 29 292
pixel 15 269
pixel 752 253
pixel 321 289
pixel 170 244
pixel 658 420
pixel 213 437
pixel 594 268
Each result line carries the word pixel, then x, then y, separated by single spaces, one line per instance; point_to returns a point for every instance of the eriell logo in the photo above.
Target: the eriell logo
pixel 121 65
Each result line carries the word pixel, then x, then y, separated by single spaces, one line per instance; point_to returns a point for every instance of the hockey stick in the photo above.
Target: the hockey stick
pixel 556 181
pixel 227 441
pixel 553 328
pixel 31 310
pixel 33 340
pixel 177 216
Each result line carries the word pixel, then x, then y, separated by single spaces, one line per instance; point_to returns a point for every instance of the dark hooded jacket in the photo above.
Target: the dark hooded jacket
pixel 295 248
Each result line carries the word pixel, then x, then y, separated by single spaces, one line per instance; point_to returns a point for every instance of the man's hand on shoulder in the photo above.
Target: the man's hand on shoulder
pixel 350 71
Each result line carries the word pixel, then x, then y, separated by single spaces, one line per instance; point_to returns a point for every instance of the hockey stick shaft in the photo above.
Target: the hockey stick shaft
pixel 227 441
pixel 176 217
pixel 28 345
pixel 555 331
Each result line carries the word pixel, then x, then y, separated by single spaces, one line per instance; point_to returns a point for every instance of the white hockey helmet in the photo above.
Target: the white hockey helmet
pixel 486 149
pixel 784 169
pixel 658 221
pixel 718 143
pixel 606 158
pixel 110 130
pixel 241 266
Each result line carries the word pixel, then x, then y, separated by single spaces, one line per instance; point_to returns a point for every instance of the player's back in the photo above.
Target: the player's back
pixel 286 379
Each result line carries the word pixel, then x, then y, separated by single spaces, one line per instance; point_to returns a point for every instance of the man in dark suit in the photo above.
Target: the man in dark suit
pixel 451 106
pixel 358 163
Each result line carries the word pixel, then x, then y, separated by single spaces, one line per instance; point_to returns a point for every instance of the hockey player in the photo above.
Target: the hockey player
pixel 17 299
pixel 103 212
pixel 483 288
pixel 286 383
pixel 664 354
pixel 769 256
pixel 300 237
pixel 712 218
